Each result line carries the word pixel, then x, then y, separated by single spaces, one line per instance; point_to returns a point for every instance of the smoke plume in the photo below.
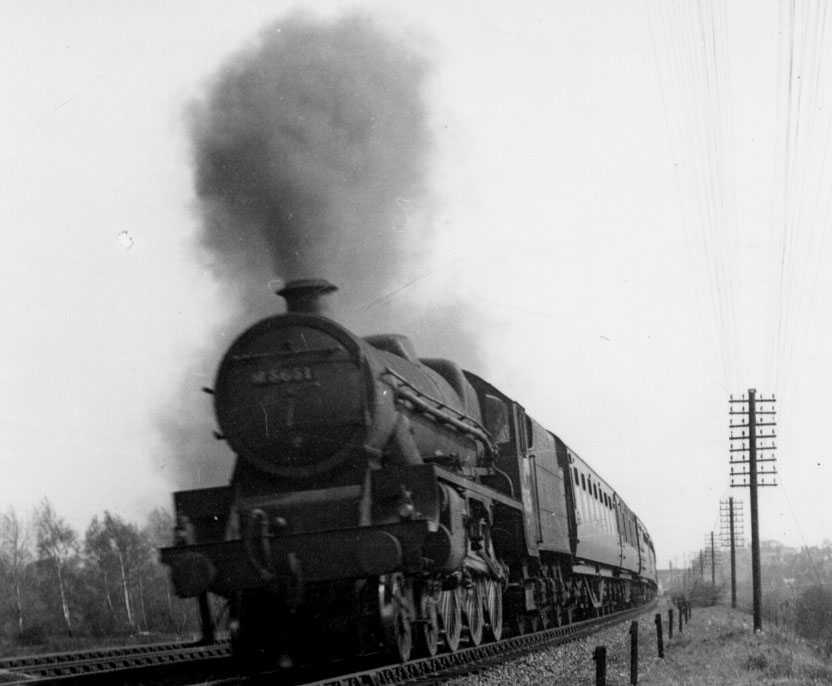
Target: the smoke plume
pixel 310 152
pixel 309 148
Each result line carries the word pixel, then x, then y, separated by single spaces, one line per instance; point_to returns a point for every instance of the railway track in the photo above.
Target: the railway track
pixel 437 669
pixel 149 663
pixel 211 665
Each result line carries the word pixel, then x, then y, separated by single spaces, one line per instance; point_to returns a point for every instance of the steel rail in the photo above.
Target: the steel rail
pixel 432 669
pixel 435 670
pixel 88 664
pixel 127 664
pixel 36 660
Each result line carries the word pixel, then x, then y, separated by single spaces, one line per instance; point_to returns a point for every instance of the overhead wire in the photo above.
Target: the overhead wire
pixel 694 35
pixel 697 97
pixel 806 202
pixel 694 38
pixel 817 205
pixel 694 84
pixel 790 200
pixel 797 166
pixel 803 214
pixel 800 170
pixel 786 184
pixel 705 174
pixel 709 129
pixel 661 27
pixel 709 136
pixel 777 199
pixel 725 79
pixel 812 210
pixel 823 197
pixel 723 132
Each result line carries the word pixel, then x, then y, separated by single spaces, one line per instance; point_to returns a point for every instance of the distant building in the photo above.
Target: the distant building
pixel 774 552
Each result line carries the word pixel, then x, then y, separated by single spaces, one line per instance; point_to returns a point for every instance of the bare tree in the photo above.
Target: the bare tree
pixel 58 543
pixel 117 545
pixel 15 554
pixel 158 532
pixel 97 549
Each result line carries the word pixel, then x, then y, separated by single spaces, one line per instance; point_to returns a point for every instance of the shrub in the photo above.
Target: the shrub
pixel 813 618
pixel 704 594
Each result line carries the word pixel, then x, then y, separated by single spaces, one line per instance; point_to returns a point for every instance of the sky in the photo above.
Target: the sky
pixel 629 205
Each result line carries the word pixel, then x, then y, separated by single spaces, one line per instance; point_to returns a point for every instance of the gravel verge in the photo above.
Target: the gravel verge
pixel 717 648
pixel 572 663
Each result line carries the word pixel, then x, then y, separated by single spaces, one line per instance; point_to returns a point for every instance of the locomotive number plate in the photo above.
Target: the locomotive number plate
pixel 282 375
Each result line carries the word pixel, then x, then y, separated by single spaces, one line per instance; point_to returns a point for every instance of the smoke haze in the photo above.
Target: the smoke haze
pixel 310 156
pixel 309 148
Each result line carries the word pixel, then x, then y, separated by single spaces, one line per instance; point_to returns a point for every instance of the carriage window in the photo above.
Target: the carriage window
pixel 577 480
pixel 583 481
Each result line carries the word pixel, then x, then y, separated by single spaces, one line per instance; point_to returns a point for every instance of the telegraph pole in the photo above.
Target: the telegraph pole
pixel 713 561
pixel 731 528
pixel 750 475
pixel 709 557
pixel 733 557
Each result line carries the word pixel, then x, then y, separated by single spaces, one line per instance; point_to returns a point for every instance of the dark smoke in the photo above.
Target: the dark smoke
pixel 307 149
pixel 310 153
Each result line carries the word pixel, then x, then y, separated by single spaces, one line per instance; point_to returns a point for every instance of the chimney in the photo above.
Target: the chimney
pixel 307 296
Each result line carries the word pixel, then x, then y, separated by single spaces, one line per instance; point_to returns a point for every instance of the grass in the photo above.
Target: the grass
pixel 719 648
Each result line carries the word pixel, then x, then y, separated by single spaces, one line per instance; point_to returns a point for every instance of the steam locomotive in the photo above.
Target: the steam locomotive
pixel 391 502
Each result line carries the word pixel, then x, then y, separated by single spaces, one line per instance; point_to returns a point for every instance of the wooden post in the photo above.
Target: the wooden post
pixel 670 624
pixel 633 653
pixel 659 639
pixel 600 657
pixel 733 556
pixel 755 527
